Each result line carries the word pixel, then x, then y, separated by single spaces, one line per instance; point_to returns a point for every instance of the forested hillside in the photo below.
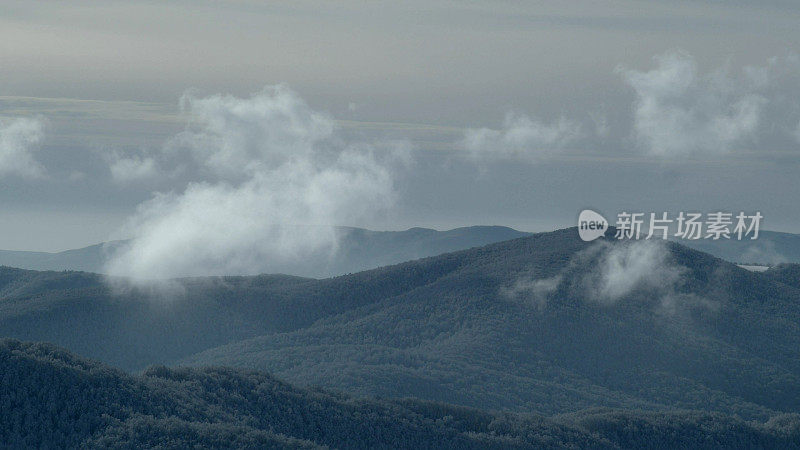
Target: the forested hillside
pixel 131 326
pixel 527 325
pixel 785 273
pixel 52 399
pixel 545 323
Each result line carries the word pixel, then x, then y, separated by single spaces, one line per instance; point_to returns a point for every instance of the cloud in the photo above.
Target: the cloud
pixel 778 81
pixel 762 252
pixel 630 266
pixel 528 287
pixel 641 271
pixel 19 138
pixel 678 112
pixel 607 273
pixel 521 138
pixel 277 180
pixel 132 168
pixel 233 137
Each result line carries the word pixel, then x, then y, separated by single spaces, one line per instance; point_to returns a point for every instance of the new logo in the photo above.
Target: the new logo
pixel 591 225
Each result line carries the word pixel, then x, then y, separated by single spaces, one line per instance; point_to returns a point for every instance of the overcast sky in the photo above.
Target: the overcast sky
pixel 127 118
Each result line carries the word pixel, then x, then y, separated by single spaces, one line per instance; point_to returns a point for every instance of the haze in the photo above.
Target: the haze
pixel 501 112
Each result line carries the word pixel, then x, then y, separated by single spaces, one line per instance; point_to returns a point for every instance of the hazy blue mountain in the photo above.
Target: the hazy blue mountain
pixel 362 249
pixel 132 327
pixel 359 249
pixel 87 259
pixel 770 248
pixel 725 339
pixel 52 399
pixel 469 328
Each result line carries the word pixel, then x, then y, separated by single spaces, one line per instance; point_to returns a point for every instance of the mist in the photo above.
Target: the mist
pixel 274 178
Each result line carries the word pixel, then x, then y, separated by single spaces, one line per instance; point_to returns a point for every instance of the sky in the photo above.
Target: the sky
pixel 240 125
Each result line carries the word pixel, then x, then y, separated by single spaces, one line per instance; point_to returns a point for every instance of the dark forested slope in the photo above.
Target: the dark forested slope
pixel 551 324
pixel 785 273
pixel 544 323
pixel 52 399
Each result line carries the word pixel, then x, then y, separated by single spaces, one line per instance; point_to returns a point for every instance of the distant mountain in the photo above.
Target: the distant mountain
pixel 545 323
pixel 358 250
pixel 52 399
pixel 362 249
pixel 771 247
pixel 87 259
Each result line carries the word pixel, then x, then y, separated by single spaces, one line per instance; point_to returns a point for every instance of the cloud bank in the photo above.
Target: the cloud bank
pixel 678 112
pixel 521 137
pixel 19 139
pixel 276 179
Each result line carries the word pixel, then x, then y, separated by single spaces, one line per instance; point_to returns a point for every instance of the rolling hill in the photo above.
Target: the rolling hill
pixel 545 323
pixel 771 247
pixel 358 249
pixel 87 259
pixel 719 338
pixel 53 399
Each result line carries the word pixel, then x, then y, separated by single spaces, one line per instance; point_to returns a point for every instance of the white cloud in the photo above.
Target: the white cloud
pixel 530 288
pixel 521 138
pixel 235 137
pixel 18 140
pixel 278 181
pixel 607 273
pixel 644 271
pixel 133 168
pixel 678 112
pixel 628 266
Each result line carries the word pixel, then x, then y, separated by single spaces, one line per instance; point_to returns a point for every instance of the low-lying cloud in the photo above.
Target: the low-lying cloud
pixel 276 180
pixel 535 290
pixel 19 139
pixel 609 273
pixel 631 266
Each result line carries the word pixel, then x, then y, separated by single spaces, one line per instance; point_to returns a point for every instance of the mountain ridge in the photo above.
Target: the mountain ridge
pixel 278 347
pixel 468 327
pixel 358 249
pixel 81 403
pixel 361 249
